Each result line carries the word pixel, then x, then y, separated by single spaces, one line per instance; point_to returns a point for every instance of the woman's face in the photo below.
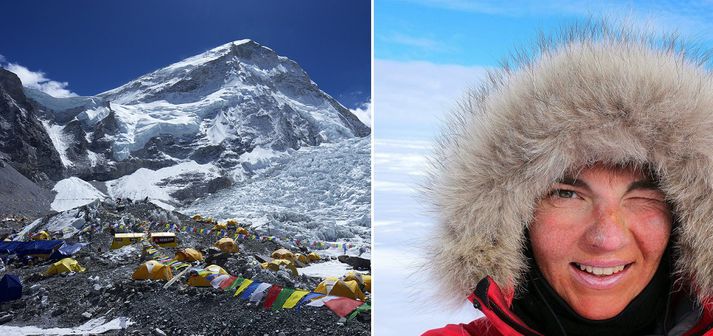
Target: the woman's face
pixel 598 238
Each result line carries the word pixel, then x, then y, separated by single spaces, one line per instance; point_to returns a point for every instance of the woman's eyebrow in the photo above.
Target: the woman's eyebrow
pixel 643 184
pixel 573 182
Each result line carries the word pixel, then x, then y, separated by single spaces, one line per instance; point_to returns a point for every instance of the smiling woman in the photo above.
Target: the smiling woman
pixel 598 241
pixel 574 191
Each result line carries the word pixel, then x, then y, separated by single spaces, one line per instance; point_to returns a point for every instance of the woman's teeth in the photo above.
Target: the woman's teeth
pixel 601 270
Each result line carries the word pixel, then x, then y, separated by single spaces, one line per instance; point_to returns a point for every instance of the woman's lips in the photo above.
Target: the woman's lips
pixel 601 277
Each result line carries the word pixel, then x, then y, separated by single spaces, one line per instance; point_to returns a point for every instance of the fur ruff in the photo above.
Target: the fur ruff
pixel 593 95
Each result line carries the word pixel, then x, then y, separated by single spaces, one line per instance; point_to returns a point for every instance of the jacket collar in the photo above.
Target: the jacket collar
pixel 490 300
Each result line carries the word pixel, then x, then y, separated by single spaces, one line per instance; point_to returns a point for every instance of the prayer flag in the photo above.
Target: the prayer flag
pixel 321 301
pixel 242 287
pixel 235 284
pixel 294 299
pixel 284 295
pixel 259 292
pixel 361 309
pixel 249 290
pixel 218 280
pixel 307 299
pixel 227 282
pixel 271 296
pixel 343 306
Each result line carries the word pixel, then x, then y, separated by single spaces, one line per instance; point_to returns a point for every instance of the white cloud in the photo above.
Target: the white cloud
pixel 419 42
pixel 37 80
pixel 414 97
pixel 689 17
pixel 363 112
pixel 2 58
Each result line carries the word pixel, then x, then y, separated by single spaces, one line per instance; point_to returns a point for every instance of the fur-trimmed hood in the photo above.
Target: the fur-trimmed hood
pixel 596 94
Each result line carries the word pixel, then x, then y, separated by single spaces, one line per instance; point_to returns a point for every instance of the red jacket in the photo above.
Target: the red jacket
pixel 500 320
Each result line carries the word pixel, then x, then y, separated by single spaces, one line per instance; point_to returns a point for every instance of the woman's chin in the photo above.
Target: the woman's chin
pixel 598 308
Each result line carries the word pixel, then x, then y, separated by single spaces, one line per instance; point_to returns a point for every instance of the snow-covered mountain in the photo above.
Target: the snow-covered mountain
pixel 238 120
pixel 212 107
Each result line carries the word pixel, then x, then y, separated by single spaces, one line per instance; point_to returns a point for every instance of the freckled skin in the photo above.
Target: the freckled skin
pixel 600 220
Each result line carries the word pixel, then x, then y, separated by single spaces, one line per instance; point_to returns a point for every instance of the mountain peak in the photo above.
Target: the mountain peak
pixel 214 53
pixel 208 71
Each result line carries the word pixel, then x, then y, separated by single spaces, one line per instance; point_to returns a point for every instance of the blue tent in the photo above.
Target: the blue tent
pixel 53 249
pixel 10 288
pixel 9 247
pixel 38 247
pixel 66 250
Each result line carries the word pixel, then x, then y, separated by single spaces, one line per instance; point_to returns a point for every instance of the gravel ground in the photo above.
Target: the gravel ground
pixel 107 290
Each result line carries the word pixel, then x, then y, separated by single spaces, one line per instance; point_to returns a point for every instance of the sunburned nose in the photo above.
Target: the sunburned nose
pixel 608 230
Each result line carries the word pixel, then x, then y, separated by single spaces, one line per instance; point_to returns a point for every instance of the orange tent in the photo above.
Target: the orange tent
pixel 227 245
pixel 152 270
pixel 283 254
pixel 337 287
pixel 313 257
pixel 189 254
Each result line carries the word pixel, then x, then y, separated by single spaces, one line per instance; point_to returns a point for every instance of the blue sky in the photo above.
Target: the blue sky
pixel 428 54
pixel 483 32
pixel 98 45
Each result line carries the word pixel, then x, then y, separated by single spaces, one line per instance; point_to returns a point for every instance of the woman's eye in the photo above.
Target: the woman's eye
pixel 563 193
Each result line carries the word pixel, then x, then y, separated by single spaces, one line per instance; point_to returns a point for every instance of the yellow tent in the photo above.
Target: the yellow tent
pixel 42 235
pixel 363 280
pixel 227 245
pixel 153 270
pixel 241 230
pixel 197 218
pixel 367 282
pixel 65 265
pixel 283 254
pixel 313 257
pixel 199 277
pixel 302 258
pixel 275 265
pixel 231 223
pixel 189 254
pixel 220 226
pixel 334 286
pixel 351 275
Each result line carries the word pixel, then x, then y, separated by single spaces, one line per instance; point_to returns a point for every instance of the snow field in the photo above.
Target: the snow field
pixel 91 327
pixel 146 182
pixel 73 192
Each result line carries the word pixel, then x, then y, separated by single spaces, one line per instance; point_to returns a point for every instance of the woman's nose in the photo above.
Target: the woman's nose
pixel 608 230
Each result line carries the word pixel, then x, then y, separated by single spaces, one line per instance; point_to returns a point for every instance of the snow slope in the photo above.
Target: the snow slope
pixel 73 192
pixel 91 327
pixel 155 185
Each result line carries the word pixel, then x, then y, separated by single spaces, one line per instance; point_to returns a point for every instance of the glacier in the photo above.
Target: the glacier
pixel 321 192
